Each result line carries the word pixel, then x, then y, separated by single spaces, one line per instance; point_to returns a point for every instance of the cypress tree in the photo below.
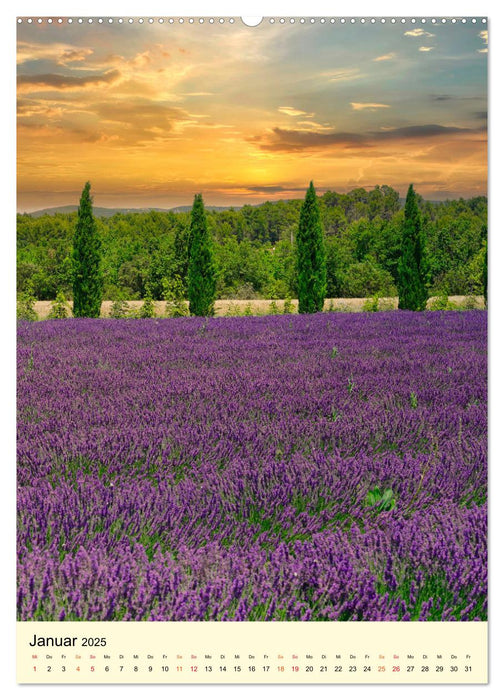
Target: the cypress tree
pixel 411 269
pixel 201 272
pixel 485 274
pixel 311 259
pixel 87 280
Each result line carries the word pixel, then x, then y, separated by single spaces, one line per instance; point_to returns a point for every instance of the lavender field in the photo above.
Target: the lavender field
pixel 324 467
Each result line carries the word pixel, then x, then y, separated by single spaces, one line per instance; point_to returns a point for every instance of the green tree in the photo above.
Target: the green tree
pixel 173 293
pixel 59 308
pixel 311 259
pixel 120 307
pixel 147 309
pixel 87 280
pixel 26 305
pixel 485 274
pixel 201 272
pixel 411 282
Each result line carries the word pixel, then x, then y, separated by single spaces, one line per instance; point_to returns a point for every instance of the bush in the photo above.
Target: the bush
pixel 288 307
pixel 173 293
pixel 147 309
pixel 469 303
pixel 371 305
pixel 386 305
pixel 364 279
pixel 442 303
pixel 120 307
pixel 59 307
pixel 25 310
pixel 232 310
pixel 273 308
pixel 245 291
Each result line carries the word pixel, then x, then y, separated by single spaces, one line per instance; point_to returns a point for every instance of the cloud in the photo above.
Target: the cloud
pixel 371 106
pixel 385 57
pixel 315 125
pixel 73 55
pixel 418 132
pixel 56 81
pixel 293 112
pixel 484 35
pixel 293 140
pixel 426 48
pixel 343 75
pixel 112 59
pixel 141 116
pixel 141 60
pixel 418 32
pixel 59 53
pixel 442 98
pixel 298 140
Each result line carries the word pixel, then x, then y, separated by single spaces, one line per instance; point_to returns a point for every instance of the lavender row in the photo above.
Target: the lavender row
pixel 219 469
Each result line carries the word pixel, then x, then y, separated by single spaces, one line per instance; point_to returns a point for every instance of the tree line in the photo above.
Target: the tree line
pixel 255 248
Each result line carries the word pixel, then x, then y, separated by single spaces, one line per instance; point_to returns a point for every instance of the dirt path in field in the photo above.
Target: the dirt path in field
pixel 260 307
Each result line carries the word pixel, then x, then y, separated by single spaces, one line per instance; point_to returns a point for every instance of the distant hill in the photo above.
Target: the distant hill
pixel 104 211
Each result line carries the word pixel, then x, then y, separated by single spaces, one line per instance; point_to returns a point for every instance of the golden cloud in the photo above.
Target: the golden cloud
pixel 59 53
pixel 418 32
pixel 56 81
pixel 385 57
pixel 293 112
pixel 371 106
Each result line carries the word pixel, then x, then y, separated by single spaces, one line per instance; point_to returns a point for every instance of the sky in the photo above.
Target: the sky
pixel 151 114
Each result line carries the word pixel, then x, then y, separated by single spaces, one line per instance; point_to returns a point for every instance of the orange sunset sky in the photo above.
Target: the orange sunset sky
pixel 153 113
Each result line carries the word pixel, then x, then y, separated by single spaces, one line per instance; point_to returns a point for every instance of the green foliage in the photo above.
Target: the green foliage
pixel 386 305
pixel 442 303
pixel 173 293
pixel 273 308
pixel 254 248
pixel 413 400
pixel 147 309
pixel 485 274
pixel 288 307
pixel 232 310
pixel 380 501
pixel 59 307
pixel 371 305
pixel 469 302
pixel 248 310
pixel 311 259
pixel 87 279
pixel 411 283
pixel 201 273
pixel 366 278
pixel 181 250
pixel 25 310
pixel 120 307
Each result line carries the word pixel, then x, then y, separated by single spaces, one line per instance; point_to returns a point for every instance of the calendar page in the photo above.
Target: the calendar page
pixel 252 350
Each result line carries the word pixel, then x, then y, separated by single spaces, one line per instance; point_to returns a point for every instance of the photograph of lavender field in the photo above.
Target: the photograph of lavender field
pixel 252 378
pixel 185 469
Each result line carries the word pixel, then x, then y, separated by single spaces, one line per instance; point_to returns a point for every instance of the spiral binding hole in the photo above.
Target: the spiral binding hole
pixel 252 21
